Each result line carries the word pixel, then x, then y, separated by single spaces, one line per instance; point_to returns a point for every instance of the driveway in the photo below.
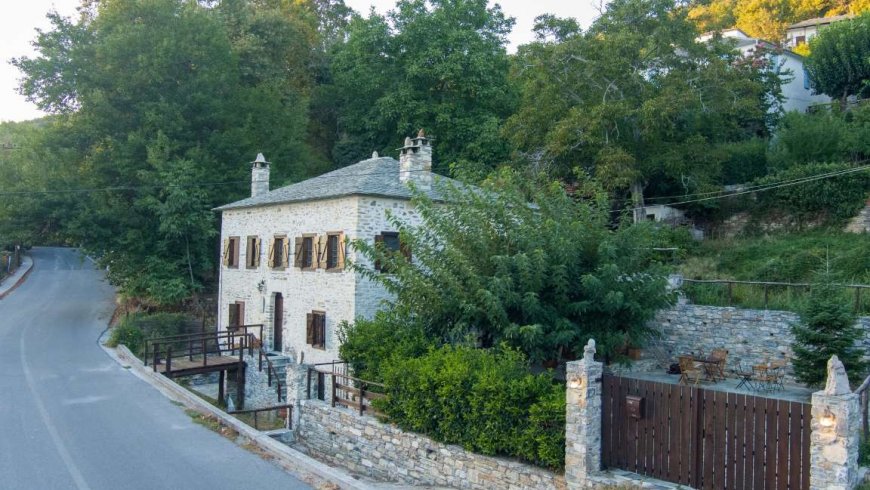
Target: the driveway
pixel 72 418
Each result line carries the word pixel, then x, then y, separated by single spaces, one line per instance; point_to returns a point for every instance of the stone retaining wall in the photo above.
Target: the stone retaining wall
pixel 384 452
pixel 751 336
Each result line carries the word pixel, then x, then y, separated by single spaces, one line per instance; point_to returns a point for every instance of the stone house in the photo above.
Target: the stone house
pixel 801 32
pixel 285 252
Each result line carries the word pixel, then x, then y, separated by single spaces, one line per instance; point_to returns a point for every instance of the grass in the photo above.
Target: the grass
pixel 790 257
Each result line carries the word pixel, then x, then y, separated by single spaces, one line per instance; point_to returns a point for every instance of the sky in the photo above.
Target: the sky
pixel 20 20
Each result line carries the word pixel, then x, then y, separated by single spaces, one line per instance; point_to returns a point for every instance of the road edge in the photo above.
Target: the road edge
pixel 21 279
pixel 288 458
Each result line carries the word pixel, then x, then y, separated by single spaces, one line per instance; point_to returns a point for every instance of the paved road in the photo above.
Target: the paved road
pixel 72 418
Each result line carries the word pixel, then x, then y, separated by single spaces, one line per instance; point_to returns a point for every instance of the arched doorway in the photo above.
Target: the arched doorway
pixel 278 323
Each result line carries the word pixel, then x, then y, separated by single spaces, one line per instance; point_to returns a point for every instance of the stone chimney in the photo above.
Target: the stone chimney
pixel 259 176
pixel 415 161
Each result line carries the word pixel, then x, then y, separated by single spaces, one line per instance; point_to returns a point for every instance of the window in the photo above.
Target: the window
pixel 315 329
pixel 390 241
pixel 253 253
pixel 305 252
pixel 236 314
pixel 798 40
pixel 334 252
pixel 278 253
pixel 231 252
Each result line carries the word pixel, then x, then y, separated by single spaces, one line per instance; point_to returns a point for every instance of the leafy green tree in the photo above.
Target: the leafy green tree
pixel 637 102
pixel 828 327
pixel 526 264
pixel 165 100
pixel 839 62
pixel 440 65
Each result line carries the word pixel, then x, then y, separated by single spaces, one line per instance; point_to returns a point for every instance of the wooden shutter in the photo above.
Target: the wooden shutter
pixel 341 247
pixel 256 260
pixel 234 315
pixel 379 248
pixel 237 243
pixel 241 305
pixel 226 253
pixel 321 330
pixel 297 259
pixel 310 337
pixel 322 242
pixel 285 258
pixel 271 262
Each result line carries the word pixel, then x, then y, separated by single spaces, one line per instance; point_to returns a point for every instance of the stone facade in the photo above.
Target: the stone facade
pixel 751 336
pixel 583 419
pixel 384 452
pixel 342 295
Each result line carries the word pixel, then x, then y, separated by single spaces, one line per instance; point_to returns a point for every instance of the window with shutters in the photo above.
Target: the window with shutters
pixel 231 252
pixel 334 252
pixel 390 241
pixel 315 329
pixel 236 314
pixel 253 253
pixel 306 258
pixel 279 252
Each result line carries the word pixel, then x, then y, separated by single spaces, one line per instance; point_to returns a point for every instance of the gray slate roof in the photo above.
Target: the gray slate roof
pixel 820 21
pixel 372 177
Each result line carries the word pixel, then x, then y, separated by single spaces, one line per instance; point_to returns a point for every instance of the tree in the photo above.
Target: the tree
pixel 637 102
pixel 164 101
pixel 839 61
pixel 828 327
pixel 526 264
pixel 440 65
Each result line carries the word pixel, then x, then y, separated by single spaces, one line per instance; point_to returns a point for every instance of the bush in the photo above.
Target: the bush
pixel 482 399
pixel 835 199
pixel 367 345
pixel 135 329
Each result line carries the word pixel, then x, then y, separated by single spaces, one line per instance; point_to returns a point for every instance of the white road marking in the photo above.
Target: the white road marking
pixel 84 400
pixel 52 430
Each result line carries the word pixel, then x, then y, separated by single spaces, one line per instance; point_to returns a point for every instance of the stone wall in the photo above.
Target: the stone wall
pixel 384 452
pixel 751 336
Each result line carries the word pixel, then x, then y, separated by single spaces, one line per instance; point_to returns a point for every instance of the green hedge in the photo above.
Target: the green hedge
pixel 484 400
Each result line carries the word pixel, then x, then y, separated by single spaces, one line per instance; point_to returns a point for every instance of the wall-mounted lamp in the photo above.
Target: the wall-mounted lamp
pixel 827 419
pixel 261 286
pixel 575 383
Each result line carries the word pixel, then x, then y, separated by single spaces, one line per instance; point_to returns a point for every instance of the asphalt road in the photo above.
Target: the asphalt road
pixel 72 418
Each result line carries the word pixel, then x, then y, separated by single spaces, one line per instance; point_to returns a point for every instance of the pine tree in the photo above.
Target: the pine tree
pixel 828 328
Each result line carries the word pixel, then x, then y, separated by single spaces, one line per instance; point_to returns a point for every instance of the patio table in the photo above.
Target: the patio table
pixel 711 367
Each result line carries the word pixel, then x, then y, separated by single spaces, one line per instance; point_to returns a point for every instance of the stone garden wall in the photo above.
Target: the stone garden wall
pixel 751 336
pixel 384 452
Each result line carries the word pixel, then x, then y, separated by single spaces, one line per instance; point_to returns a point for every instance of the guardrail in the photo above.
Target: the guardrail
pixel 768 286
pixel 254 414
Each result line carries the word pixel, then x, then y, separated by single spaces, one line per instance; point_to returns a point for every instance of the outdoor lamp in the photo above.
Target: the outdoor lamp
pixel 575 383
pixel 827 419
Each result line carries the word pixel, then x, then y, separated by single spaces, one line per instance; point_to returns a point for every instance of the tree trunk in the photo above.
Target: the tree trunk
pixel 637 201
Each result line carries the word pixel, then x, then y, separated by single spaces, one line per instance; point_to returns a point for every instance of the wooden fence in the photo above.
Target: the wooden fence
pixel 356 394
pixel 704 438
pixel 761 294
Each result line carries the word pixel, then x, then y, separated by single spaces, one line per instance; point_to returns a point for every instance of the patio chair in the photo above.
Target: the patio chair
pixel 777 370
pixel 763 377
pixel 689 371
pixel 720 355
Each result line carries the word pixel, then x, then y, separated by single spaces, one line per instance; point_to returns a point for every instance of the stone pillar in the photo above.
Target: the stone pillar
pixel 583 419
pixel 297 384
pixel 836 420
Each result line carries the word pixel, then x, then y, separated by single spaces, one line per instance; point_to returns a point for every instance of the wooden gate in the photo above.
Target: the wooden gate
pixel 704 438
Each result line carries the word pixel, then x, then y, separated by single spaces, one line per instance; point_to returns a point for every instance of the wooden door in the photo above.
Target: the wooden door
pixel 278 324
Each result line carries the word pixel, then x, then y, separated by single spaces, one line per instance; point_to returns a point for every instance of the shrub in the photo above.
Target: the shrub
pixel 835 198
pixel 135 329
pixel 367 345
pixel 828 327
pixel 482 399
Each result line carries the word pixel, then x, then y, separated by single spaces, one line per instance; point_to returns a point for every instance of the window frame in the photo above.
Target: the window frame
pixel 335 251
pixel 315 329
pixel 232 252
pixel 252 252
pixel 309 255
pixel 277 252
pixel 402 248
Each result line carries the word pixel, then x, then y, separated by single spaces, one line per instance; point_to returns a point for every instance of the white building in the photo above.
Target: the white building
pixel 801 32
pixel 285 255
pixel 797 93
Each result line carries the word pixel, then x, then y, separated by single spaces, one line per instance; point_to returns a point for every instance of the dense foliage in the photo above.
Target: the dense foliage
pixel 483 400
pixel 135 329
pixel 637 101
pixel 440 65
pixel 828 327
pixel 839 63
pixel 525 263
pixel 766 19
